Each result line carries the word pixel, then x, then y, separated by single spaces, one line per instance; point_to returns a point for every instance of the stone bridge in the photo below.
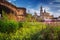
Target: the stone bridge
pixel 20 12
pixel 8 5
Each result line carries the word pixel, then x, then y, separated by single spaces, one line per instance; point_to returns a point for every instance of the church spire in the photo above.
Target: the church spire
pixel 41 10
pixel 44 11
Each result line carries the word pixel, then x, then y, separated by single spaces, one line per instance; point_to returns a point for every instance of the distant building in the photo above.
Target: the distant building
pixel 45 15
pixel 21 14
pixel 56 19
pixel 36 17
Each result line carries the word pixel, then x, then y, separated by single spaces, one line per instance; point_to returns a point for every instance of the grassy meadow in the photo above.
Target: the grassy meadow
pixel 12 30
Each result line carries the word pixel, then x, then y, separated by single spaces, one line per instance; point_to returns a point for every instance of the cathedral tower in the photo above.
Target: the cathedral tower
pixel 44 11
pixel 41 11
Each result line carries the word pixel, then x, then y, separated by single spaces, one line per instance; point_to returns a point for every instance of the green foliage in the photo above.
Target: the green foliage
pixel 28 31
pixel 30 18
pixel 20 24
pixel 4 15
pixel 24 33
pixel 8 26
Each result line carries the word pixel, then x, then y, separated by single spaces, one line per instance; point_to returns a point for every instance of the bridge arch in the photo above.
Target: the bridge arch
pixel 8 7
pixel 5 9
pixel 19 13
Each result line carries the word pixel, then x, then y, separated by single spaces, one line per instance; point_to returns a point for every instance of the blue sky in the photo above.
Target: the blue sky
pixel 51 6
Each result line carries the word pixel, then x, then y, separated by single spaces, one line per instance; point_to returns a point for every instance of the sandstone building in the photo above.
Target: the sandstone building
pixel 13 12
pixel 44 14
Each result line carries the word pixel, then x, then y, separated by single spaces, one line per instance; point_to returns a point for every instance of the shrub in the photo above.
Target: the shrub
pixel 20 24
pixel 8 26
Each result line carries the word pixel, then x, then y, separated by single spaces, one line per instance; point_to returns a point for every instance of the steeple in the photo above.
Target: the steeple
pixel 44 11
pixel 41 10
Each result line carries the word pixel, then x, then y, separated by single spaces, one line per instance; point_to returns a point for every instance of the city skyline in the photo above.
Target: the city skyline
pixel 51 6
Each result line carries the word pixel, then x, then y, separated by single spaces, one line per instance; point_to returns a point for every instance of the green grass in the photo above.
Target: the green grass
pixel 31 28
pixel 25 32
pixel 28 31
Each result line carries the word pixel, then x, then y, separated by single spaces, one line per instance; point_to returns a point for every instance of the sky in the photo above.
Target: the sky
pixel 51 6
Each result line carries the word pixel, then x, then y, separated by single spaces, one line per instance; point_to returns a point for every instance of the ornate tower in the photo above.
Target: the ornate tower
pixel 44 11
pixel 41 11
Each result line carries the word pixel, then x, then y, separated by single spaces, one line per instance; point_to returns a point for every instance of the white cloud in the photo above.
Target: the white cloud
pixel 58 10
pixel 46 8
pixel 56 5
pixel 56 14
pixel 57 0
pixel 51 3
pixel 38 12
pixel 11 0
pixel 33 10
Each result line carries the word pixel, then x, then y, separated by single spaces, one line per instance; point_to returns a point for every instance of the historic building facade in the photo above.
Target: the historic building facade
pixel 45 15
pixel 13 12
